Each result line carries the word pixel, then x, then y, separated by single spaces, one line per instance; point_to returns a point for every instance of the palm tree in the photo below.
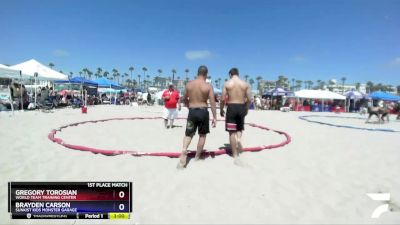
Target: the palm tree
pixel 90 73
pixel 80 73
pixel 139 79
pixel 258 78
pixel 51 65
pixel 148 79
pixel 144 74
pixel 61 71
pixel 84 71
pixel 282 81
pixel 123 77
pixel 187 71
pixel 343 79
pixel 173 74
pixel 293 80
pixel 398 89
pixel 370 86
pixel 144 71
pixel 159 72
pixel 129 82
pixel 322 84
pixel 114 73
pixel 358 86
pixel 70 75
pixel 118 76
pixel 298 84
pixel 246 77
pixel 131 70
pixel 99 72
pixel 311 83
pixel 319 83
pixel 251 81
pixel 105 74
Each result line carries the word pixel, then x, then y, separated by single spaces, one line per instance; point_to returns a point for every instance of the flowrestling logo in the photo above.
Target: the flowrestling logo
pixel 385 198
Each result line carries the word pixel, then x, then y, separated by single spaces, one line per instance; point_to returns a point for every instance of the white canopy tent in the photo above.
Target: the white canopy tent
pixel 7 72
pixel 318 94
pixel 32 67
pixel 37 70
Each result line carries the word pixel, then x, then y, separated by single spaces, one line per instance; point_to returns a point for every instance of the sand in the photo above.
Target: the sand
pixel 322 176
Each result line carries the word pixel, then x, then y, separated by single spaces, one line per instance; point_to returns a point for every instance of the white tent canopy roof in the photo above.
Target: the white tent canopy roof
pixel 318 94
pixel 32 66
pixel 7 72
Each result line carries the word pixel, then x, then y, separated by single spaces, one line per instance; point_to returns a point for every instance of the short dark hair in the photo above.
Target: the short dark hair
pixel 203 70
pixel 234 71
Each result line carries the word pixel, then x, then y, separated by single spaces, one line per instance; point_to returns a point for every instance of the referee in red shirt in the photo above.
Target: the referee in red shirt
pixel 171 102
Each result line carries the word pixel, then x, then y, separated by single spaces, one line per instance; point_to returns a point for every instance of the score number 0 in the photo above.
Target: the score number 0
pixel 121 206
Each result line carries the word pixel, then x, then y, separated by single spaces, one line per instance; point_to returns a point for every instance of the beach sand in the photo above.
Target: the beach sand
pixel 322 176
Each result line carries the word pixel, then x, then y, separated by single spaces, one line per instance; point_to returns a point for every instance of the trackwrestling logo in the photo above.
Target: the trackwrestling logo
pixel 385 197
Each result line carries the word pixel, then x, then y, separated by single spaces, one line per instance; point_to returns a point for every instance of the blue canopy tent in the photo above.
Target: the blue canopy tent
pixel 106 83
pixel 380 95
pixel 78 80
pixel 113 88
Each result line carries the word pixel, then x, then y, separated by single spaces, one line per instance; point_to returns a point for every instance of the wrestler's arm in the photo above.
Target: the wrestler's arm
pixel 185 97
pixel 248 98
pixel 222 101
pixel 212 102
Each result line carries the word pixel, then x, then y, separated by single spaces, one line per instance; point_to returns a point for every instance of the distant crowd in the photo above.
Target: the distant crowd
pixel 48 98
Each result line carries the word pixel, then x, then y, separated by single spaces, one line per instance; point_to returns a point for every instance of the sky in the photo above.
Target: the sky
pixel 301 39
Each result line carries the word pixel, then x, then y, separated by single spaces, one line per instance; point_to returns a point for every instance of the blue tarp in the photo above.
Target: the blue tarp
pixel 384 96
pixel 106 83
pixel 77 80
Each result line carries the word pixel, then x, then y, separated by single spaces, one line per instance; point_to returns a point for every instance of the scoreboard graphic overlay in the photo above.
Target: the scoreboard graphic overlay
pixel 70 200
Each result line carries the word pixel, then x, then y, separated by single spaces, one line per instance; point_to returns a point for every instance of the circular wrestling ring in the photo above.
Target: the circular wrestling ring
pixel 52 137
pixel 306 118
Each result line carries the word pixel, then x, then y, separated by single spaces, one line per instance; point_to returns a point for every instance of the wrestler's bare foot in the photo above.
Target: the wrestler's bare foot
pixel 197 157
pixel 182 162
pixel 239 162
pixel 239 147
pixel 180 166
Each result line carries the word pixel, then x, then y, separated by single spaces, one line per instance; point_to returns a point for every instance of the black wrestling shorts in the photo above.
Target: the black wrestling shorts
pixel 235 114
pixel 198 118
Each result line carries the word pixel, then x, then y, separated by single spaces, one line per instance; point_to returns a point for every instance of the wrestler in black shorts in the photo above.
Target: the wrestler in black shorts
pixel 235 114
pixel 197 118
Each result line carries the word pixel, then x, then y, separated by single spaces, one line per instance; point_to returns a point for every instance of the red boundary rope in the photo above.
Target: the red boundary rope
pixel 59 141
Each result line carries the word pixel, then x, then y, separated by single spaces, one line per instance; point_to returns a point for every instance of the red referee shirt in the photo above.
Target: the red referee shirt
pixel 173 98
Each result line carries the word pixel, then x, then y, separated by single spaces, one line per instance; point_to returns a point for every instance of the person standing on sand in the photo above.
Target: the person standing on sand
pixel 197 92
pixel 239 99
pixel 171 100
